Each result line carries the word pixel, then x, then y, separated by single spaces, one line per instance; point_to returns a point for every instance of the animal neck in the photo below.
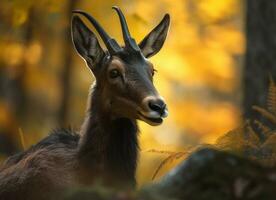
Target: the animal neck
pixel 108 145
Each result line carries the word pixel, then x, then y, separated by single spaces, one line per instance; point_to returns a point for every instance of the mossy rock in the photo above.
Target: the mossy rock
pixel 212 174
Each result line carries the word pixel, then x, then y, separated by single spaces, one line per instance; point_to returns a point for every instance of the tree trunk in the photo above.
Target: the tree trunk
pixel 14 91
pixel 67 67
pixel 260 58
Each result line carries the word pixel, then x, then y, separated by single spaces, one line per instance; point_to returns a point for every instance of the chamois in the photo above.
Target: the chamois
pixel 106 147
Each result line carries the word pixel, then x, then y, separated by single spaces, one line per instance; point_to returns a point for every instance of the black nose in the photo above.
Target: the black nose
pixel 157 105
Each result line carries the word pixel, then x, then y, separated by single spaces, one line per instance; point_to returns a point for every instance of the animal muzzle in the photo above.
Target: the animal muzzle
pixel 154 109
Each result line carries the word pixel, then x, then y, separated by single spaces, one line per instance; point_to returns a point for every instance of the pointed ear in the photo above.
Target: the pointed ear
pixel 154 41
pixel 85 42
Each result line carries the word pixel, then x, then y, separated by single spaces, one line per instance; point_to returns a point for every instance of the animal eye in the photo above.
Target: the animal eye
pixel 114 73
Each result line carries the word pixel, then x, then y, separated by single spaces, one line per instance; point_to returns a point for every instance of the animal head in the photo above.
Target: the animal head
pixel 123 74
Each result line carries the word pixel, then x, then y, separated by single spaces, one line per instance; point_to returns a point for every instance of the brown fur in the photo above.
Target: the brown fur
pixel 39 175
pixel 107 147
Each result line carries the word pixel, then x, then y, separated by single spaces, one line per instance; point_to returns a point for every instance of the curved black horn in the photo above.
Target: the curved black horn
pixel 129 41
pixel 110 43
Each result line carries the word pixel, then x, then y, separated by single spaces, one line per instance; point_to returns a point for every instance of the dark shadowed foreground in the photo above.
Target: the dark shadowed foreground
pixel 206 174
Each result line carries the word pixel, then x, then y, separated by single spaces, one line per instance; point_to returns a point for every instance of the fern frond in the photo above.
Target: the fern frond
pixel 265 113
pixel 271 96
pixel 159 151
pixel 264 130
pixel 261 126
pixel 165 161
pixel 172 156
pixel 249 128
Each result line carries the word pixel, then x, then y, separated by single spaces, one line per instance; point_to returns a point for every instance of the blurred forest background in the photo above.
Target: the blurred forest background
pixel 44 84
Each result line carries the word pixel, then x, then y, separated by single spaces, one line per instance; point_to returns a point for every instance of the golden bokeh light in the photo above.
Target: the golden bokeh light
pixel 198 68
